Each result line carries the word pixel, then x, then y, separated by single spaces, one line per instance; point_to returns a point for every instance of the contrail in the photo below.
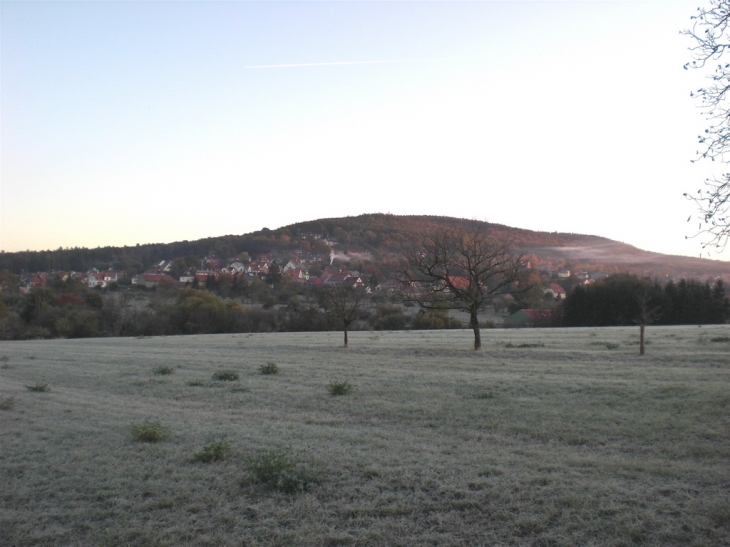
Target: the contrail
pixel 326 64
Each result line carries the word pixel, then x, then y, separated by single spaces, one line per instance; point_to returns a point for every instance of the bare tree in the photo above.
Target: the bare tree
pixel 646 316
pixel 460 268
pixel 711 36
pixel 344 303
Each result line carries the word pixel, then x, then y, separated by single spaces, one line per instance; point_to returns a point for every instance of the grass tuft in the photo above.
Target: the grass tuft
pixel 39 387
pixel 486 395
pixel 269 368
pixel 607 345
pixel 279 471
pixel 163 370
pixel 339 388
pixel 225 376
pixel 7 404
pixel 197 383
pixel 525 345
pixel 213 452
pixel 720 339
pixel 149 432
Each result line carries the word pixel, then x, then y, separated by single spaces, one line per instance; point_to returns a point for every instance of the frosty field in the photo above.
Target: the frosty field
pixel 547 437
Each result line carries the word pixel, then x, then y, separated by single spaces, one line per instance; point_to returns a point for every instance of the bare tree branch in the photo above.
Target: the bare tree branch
pixel 344 303
pixel 460 269
pixel 711 36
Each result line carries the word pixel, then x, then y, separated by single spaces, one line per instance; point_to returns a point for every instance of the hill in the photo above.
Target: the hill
pixel 384 237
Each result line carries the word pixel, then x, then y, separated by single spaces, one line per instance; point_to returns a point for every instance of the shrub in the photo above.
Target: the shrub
pixel 39 387
pixel 163 369
pixel 7 404
pixel 525 345
pixel 279 471
pixel 225 376
pixel 720 339
pixel 213 452
pixel 269 368
pixel 607 345
pixel 340 388
pixel 149 432
pixel 196 383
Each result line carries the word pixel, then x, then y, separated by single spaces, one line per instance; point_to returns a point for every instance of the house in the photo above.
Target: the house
pixel 564 274
pixel 556 290
pixel 298 274
pixel 163 266
pixel 255 268
pixel 203 275
pixel 344 278
pixel 102 278
pixel 237 267
pixel 293 265
pixel 150 280
pixel 529 318
pixel 353 281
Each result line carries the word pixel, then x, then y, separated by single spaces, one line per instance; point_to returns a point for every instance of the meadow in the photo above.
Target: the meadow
pixel 546 437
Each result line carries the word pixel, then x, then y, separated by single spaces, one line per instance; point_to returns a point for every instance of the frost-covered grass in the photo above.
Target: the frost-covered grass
pixel 542 438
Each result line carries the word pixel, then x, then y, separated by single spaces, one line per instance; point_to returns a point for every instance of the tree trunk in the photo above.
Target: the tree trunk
pixel 345 336
pixel 474 324
pixel 641 339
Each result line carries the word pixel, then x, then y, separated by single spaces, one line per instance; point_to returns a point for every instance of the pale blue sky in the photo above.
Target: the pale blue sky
pixel 137 122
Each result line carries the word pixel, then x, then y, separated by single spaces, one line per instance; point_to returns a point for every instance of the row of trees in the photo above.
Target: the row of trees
pixel 45 313
pixel 624 299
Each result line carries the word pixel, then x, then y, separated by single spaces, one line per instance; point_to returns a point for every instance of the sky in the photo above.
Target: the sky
pixel 128 122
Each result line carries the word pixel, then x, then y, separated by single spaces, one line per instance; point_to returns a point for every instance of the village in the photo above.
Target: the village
pixel 309 272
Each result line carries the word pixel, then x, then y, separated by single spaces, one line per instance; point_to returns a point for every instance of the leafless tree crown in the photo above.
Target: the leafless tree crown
pixel 461 269
pixel 711 38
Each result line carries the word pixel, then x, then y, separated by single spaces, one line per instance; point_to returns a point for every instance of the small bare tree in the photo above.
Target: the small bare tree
pixel 646 316
pixel 460 268
pixel 344 303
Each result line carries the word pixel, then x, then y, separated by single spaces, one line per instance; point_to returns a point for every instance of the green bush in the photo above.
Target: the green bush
pixel 720 339
pixel 7 404
pixel 607 345
pixel 39 387
pixel 225 376
pixel 163 369
pixel 525 345
pixel 278 471
pixel 149 432
pixel 213 452
pixel 197 383
pixel 339 388
pixel 269 368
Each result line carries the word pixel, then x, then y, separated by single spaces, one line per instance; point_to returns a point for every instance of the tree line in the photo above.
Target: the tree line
pixel 621 299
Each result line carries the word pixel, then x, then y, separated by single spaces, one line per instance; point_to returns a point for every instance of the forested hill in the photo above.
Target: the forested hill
pixel 383 236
